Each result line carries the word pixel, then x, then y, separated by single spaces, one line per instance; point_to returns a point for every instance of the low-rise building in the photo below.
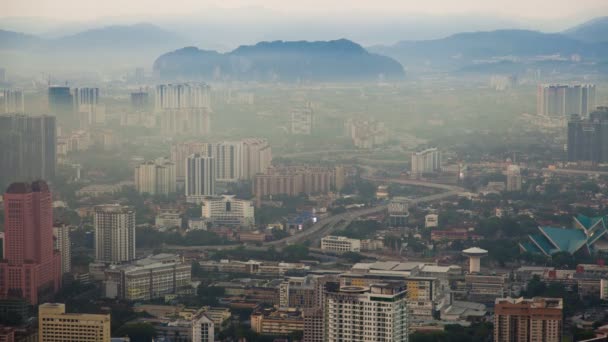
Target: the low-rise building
pixel 168 218
pixel 277 322
pixel 340 244
pixel 54 324
pixel 228 211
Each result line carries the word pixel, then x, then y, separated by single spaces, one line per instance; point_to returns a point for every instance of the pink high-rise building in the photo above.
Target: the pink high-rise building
pixel 31 268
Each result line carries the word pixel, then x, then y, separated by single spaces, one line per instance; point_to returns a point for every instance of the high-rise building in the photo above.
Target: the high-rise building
pixel 513 178
pixel 139 100
pixel 302 120
pixel 560 100
pixel 426 161
pixel 156 177
pixel 527 320
pixel 228 157
pixel 200 177
pixel 86 105
pixel 184 108
pixel 257 157
pixel 12 101
pixel 588 138
pixel 61 104
pixel 181 151
pixel 398 212
pixel 55 325
pixel 114 233
pixel 27 148
pixel 31 269
pixel 228 211
pixel 294 180
pixel 375 313
pixel 61 232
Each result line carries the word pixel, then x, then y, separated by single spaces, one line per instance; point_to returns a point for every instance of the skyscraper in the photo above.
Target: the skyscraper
pixel 588 138
pixel 31 269
pixel 513 178
pixel 257 157
pixel 375 313
pixel 139 100
pixel 200 177
pixel 27 148
pixel 184 108
pixel 526 320
pixel 155 177
pixel 181 151
pixel 12 101
pixel 228 157
pixel 560 100
pixel 426 161
pixel 114 233
pixel 61 105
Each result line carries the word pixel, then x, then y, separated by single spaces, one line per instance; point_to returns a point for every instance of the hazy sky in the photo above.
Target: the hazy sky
pixel 80 10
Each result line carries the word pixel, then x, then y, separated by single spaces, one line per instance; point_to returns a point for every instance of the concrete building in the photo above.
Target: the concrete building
pixel 156 177
pixel 61 105
pixel 294 180
pixel 604 289
pixel 376 313
pixel 431 221
pixel 513 178
pixel 398 212
pixel 340 244
pixel 562 100
pixel 228 211
pixel 114 233
pixel 257 157
pixel 181 151
pixel 203 329
pixel 277 322
pixel 12 101
pixel 30 269
pixel 184 108
pixel 139 100
pixel 55 325
pixel 527 320
pixel 200 177
pixel 168 218
pixel 228 157
pixel 298 292
pixel 426 161
pixel 475 254
pixel 63 245
pixel 149 278
pixel 366 133
pixel 588 137
pixel 302 120
pixel 7 334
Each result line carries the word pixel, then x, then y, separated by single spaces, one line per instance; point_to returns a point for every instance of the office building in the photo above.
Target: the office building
pixel 200 177
pixel 513 178
pixel 202 328
pixel 426 161
pixel 27 148
pixel 276 322
pixel 12 101
pixel 55 325
pixel 139 100
pixel 156 177
pixel 375 313
pixel 340 244
pixel 61 105
pixel 527 320
pixel 299 292
pixel 31 269
pixel 147 279
pixel 61 233
pixel 588 138
pixel 561 100
pixel 228 211
pixel 398 212
pixel 302 120
pixel 257 157
pixel 114 233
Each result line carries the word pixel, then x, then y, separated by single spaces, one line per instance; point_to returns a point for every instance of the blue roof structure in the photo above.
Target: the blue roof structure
pixel 550 240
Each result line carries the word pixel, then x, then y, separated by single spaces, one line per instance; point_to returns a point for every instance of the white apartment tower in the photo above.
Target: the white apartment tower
pixel 156 177
pixel 200 177
pixel 375 313
pixel 62 244
pixel 513 178
pixel 426 161
pixel 114 233
pixel 184 108
pixel 563 100
pixel 302 120
pixel 12 101
pixel 257 157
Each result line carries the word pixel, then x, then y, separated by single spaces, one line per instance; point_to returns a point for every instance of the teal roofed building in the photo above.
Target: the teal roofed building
pixel 587 235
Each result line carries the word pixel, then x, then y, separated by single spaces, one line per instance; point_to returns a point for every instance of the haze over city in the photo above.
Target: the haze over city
pixel 320 171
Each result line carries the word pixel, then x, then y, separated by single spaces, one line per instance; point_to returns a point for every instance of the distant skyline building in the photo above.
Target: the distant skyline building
pixel 31 269
pixel 426 161
pixel 156 177
pixel 114 233
pixel 139 100
pixel 182 95
pixel 562 100
pixel 27 148
pixel 513 178
pixel 61 105
pixel 588 138
pixel 200 177
pixel 228 160
pixel 257 157
pixel 527 320
pixel 302 120
pixel 12 101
